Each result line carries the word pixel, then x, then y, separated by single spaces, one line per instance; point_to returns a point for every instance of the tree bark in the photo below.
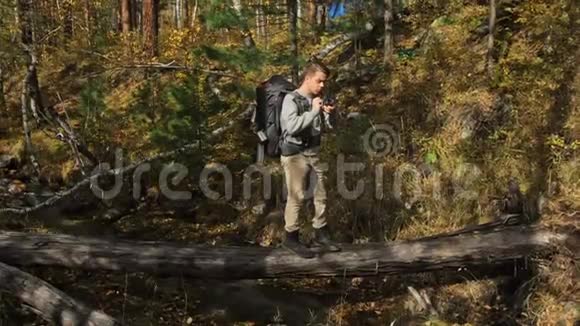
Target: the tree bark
pixel 151 27
pixel 293 17
pixel 186 14
pixel 259 12
pixel 264 25
pixel 179 19
pixel 115 19
pixel 299 14
pixel 89 21
pixel 68 25
pixel 312 18
pixel 135 14
pixel 58 125
pixel 311 5
pixel 3 108
pixel 321 17
pixel 193 18
pixel 126 16
pixel 388 46
pixel 34 96
pixel 480 247
pixel 49 302
pixel 490 39
pixel 246 33
pixel 25 20
pixel 26 102
pixel 29 149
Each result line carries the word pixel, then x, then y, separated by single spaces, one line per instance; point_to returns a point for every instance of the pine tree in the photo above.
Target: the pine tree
pixel 151 27
pixel 126 16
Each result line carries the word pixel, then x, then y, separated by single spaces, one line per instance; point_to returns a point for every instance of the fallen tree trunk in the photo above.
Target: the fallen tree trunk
pixel 49 302
pixel 497 245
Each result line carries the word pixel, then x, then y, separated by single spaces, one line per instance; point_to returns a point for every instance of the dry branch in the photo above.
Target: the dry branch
pixel 173 66
pixel 49 302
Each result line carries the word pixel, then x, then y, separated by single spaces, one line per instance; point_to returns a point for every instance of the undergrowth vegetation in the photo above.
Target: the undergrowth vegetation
pixel 461 135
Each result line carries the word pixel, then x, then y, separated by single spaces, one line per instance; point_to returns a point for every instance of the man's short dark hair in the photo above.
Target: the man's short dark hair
pixel 313 67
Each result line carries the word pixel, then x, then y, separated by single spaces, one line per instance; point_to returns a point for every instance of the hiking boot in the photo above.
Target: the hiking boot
pixel 322 239
pixel 293 244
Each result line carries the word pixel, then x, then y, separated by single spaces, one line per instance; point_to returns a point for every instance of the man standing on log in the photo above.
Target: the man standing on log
pixel 302 118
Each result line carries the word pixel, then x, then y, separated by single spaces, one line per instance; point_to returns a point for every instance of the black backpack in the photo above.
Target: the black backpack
pixel 269 97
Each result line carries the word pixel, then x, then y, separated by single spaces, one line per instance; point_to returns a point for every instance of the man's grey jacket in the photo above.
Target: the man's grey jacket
pixel 301 126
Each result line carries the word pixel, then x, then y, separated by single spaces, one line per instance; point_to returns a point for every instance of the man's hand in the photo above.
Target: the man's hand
pixel 328 108
pixel 316 104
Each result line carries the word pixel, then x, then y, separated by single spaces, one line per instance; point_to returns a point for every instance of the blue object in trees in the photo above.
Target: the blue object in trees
pixel 336 9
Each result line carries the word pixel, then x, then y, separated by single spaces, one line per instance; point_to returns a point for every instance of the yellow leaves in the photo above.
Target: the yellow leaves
pixel 555 141
pixel 181 76
pixel 176 43
pixel 524 51
pixel 560 149
pixel 178 35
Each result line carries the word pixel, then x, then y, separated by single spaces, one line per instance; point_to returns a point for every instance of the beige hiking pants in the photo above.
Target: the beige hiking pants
pixel 297 170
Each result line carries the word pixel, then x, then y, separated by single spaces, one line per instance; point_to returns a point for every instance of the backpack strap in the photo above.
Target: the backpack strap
pixel 301 102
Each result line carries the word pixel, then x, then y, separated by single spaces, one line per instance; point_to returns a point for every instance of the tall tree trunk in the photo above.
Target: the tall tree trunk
pixel 28 149
pixel 312 13
pixel 186 14
pixel 139 15
pixel 179 14
pixel 258 13
pixel 68 26
pixel 321 17
pixel 134 14
pixel 34 95
pixel 246 33
pixel 293 16
pixel 89 21
pixel 27 38
pixel 126 16
pixel 299 13
pixel 265 21
pixel 490 39
pixel 193 17
pixel 172 5
pixel 25 20
pixel 3 110
pixel 151 27
pixel 313 19
pixel 115 18
pixel 388 46
pixel 16 19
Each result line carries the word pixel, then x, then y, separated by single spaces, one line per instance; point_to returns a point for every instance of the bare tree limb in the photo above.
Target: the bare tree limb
pixel 49 302
pixel 172 66
pixel 24 97
pixel 490 39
